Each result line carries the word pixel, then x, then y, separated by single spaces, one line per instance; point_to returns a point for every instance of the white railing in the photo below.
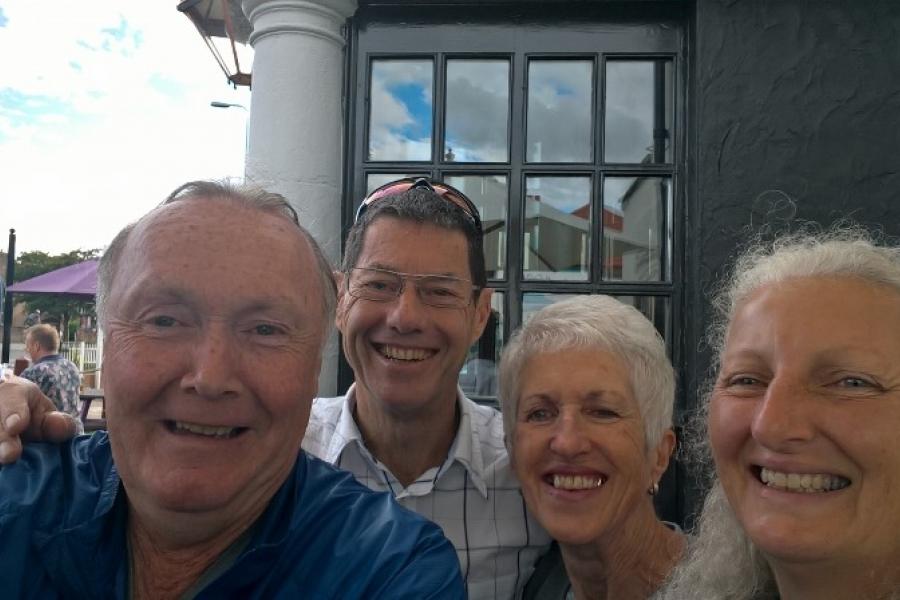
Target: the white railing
pixel 82 354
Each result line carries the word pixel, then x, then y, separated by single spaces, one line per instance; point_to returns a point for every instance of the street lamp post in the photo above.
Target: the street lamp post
pixel 220 104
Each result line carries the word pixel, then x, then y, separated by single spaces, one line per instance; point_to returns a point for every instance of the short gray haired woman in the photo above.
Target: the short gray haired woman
pixel 587 394
pixel 803 420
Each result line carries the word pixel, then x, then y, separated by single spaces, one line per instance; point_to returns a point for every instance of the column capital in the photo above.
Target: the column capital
pixel 321 18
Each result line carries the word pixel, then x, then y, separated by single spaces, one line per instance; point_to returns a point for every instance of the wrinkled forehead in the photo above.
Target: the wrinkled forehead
pixel 221 243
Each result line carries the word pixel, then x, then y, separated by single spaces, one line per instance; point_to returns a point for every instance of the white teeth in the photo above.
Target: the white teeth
pixel 219 432
pixel 807 483
pixel 398 353
pixel 576 482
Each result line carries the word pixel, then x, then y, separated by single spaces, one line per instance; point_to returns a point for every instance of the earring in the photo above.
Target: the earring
pixel 654 489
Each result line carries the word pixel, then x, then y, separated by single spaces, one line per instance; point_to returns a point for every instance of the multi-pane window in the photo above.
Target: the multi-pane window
pixel 567 141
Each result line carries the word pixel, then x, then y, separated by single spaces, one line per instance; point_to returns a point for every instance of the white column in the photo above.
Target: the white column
pixel 295 131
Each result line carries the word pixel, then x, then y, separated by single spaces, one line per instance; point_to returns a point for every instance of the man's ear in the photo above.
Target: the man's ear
pixel 338 277
pixel 482 312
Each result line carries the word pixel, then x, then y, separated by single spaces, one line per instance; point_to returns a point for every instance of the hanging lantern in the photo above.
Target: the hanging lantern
pixel 225 31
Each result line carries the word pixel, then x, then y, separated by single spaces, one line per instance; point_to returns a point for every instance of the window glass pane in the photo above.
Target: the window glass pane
pixel 376 180
pixel 655 308
pixel 559 111
pixel 477 111
pixel 535 301
pixel 400 109
pixel 634 228
pixel 488 193
pixel 478 377
pixel 638 125
pixel 557 243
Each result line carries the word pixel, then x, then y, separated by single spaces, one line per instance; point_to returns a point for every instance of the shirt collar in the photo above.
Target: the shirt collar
pixel 47 358
pixel 465 449
pixel 346 431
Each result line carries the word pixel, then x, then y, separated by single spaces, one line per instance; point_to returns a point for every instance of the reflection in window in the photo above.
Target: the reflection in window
pixel 477 111
pixel 489 194
pixel 638 125
pixel 400 115
pixel 557 228
pixel 535 301
pixel 559 111
pixel 634 228
pixel 376 180
pixel 478 377
pixel 655 308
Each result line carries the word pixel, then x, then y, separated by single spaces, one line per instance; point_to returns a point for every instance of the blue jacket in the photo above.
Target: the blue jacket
pixel 323 535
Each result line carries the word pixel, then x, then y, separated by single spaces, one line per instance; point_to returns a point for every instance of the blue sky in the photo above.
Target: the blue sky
pixel 104 109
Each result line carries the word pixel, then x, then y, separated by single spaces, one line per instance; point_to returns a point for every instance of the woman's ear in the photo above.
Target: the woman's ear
pixel 663 453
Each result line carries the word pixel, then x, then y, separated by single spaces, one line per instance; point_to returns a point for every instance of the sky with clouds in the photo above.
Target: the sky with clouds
pixel 104 109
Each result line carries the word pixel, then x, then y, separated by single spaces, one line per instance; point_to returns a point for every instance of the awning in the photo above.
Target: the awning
pixel 75 280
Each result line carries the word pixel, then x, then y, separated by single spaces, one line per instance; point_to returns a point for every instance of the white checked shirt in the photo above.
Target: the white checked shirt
pixel 473 496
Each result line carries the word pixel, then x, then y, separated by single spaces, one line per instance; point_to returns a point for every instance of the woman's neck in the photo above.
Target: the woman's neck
pixel 871 580
pixel 628 563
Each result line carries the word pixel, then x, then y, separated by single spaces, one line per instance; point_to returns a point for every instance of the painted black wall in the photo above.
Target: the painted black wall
pixel 796 116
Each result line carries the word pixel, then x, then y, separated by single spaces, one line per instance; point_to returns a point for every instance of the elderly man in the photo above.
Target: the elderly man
pixel 412 300
pixel 199 489
pixel 57 376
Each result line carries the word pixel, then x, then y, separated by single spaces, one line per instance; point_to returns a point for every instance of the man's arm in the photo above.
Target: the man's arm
pixel 28 415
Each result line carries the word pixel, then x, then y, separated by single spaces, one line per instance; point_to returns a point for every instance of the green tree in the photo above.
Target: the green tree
pixel 54 308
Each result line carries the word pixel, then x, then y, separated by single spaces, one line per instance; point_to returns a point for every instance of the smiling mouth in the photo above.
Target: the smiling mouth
pixel 574 482
pixel 185 428
pixel 804 483
pixel 403 354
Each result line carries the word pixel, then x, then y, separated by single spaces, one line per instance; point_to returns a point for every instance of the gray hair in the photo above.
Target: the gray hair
pixel 422 206
pixel 595 322
pixel 721 560
pixel 243 195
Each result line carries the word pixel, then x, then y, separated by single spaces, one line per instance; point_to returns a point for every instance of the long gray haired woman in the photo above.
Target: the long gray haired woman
pixel 803 422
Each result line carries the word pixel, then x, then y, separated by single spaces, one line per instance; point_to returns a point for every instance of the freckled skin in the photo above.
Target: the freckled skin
pixel 810 378
pixel 224 333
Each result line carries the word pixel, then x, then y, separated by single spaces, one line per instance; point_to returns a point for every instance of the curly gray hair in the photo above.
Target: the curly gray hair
pixel 721 561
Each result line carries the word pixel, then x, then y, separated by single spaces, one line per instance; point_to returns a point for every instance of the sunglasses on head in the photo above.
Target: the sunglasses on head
pixel 447 192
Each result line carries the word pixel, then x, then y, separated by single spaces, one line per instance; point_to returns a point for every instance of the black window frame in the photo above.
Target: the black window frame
pixel 373 35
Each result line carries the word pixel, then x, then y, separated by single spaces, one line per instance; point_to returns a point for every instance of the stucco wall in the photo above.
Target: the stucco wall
pixel 796 115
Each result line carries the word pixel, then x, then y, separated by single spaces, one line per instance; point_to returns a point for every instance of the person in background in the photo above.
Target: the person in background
pixel 587 394
pixel 802 421
pixel 216 306
pixel 57 376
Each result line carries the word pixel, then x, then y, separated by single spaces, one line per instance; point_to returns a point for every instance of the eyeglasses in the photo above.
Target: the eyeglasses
pixel 447 192
pixel 382 285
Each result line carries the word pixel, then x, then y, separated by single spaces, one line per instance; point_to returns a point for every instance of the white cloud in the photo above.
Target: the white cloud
pixel 104 109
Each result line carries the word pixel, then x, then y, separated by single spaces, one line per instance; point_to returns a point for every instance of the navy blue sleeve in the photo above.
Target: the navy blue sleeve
pixel 431 572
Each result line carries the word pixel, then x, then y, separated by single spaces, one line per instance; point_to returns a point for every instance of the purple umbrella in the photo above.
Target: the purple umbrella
pixel 75 280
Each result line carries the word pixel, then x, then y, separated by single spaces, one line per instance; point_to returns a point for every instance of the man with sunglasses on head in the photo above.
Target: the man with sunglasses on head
pixel 412 300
